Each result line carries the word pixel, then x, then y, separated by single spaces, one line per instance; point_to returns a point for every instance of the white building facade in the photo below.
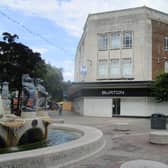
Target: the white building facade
pixel 118 56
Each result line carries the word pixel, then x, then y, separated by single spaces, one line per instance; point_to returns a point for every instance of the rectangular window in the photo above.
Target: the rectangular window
pixel 166 66
pixel 127 39
pixel 166 43
pixel 102 42
pixel 127 67
pixel 115 68
pixel 102 69
pixel 115 40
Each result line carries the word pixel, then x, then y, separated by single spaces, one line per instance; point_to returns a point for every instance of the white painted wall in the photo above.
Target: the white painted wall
pixel 141 106
pixel 157 107
pixel 100 107
pixel 130 106
pixel 78 105
pixel 134 106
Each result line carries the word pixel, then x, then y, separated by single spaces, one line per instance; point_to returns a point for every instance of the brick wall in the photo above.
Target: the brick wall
pixel 159 31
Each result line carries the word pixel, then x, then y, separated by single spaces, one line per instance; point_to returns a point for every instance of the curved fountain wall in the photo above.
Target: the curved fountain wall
pixel 88 144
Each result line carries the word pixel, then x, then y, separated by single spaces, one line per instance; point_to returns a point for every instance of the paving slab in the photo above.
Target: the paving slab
pixel 121 146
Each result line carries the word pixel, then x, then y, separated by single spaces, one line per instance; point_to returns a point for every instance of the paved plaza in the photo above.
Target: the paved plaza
pixel 121 146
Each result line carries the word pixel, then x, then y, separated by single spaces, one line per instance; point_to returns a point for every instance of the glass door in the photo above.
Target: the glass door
pixel 116 107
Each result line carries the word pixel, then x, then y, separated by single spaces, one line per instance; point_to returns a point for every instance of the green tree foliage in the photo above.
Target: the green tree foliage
pixel 54 82
pixel 17 59
pixel 160 88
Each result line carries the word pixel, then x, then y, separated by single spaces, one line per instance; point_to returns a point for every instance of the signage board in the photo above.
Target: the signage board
pixel 115 92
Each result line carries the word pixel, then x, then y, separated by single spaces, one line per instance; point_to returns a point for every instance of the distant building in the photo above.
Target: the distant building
pixel 118 56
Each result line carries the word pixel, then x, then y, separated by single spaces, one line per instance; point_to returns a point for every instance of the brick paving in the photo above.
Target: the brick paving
pixel 121 146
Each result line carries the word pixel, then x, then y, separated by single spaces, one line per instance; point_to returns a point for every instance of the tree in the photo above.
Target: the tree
pixel 54 82
pixel 9 38
pixel 17 59
pixel 160 88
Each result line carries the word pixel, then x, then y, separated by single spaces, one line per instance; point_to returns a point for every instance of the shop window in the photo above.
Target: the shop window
pixel 127 67
pixel 115 68
pixel 166 43
pixel 102 68
pixel 115 40
pixel 127 39
pixel 102 42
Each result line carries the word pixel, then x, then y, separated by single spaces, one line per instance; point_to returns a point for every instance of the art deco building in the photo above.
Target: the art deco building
pixel 119 54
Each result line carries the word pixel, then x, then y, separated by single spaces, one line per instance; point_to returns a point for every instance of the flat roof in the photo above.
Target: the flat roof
pixel 129 9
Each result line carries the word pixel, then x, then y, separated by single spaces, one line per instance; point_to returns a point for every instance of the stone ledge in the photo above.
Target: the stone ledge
pixel 121 126
pixel 143 164
pixel 158 137
pixel 91 142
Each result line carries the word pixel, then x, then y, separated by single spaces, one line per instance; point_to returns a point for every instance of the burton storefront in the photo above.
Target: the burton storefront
pixel 112 99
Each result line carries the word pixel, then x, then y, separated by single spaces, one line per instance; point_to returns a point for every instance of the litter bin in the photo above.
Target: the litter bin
pixel 158 121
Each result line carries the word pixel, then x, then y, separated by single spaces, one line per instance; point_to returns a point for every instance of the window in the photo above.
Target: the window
pixel 102 42
pixel 166 43
pixel 166 66
pixel 102 68
pixel 127 67
pixel 115 40
pixel 115 68
pixel 127 40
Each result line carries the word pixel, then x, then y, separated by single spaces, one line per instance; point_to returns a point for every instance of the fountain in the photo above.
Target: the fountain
pixel 30 127
pixel 33 126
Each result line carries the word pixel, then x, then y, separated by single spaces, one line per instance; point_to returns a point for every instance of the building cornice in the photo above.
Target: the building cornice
pixel 136 9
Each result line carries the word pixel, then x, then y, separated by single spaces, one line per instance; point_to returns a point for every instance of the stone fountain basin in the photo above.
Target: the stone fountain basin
pixel 61 155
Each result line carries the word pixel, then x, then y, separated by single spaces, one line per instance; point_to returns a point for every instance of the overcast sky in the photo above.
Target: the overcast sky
pixel 54 27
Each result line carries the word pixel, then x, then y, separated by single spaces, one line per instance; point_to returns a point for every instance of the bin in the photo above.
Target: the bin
pixel 158 121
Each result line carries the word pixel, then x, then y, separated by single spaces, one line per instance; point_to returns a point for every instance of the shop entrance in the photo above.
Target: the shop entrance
pixel 116 107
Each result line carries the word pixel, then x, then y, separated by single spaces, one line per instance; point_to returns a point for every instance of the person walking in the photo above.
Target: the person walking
pixel 60 110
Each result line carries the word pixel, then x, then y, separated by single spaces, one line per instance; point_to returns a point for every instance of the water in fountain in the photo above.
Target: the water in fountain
pixel 55 137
